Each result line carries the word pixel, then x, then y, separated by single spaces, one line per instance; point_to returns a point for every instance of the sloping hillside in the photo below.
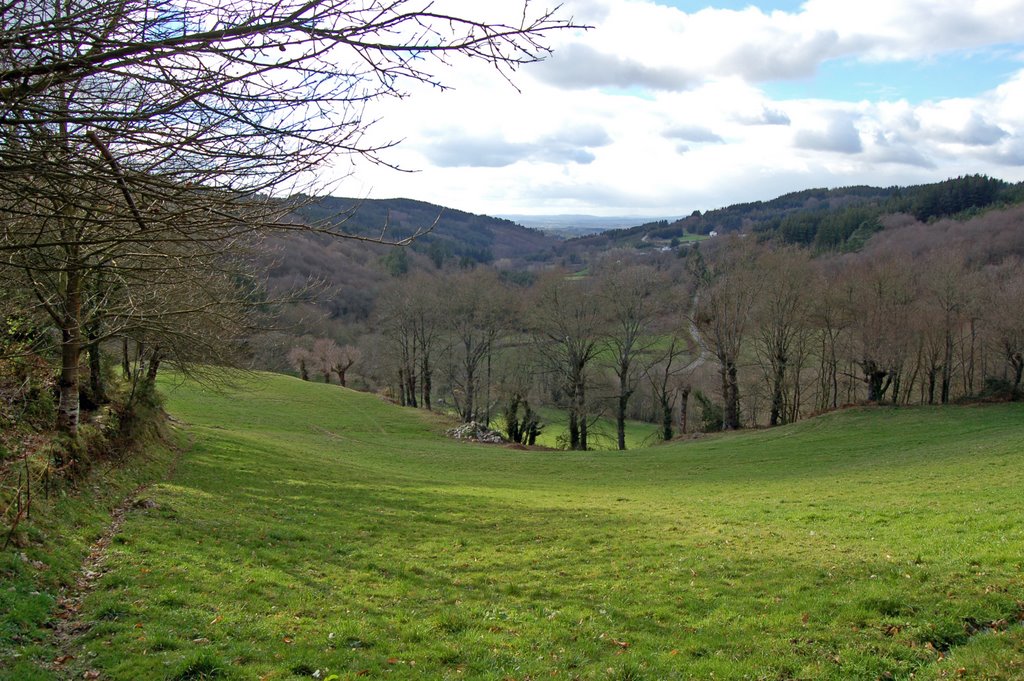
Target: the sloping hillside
pixel 825 219
pixel 457 234
pixel 315 530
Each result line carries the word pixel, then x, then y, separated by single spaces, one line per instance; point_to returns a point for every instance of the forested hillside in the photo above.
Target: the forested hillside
pixel 454 234
pixel 347 306
pixel 824 219
pixel 728 333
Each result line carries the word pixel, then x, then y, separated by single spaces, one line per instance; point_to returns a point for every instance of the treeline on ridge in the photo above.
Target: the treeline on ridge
pixel 827 219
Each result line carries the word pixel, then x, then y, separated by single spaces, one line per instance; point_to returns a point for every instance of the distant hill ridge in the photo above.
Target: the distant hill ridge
pixel 457 234
pixel 825 219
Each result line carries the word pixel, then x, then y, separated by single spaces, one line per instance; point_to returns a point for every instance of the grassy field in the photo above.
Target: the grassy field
pixel 555 432
pixel 312 531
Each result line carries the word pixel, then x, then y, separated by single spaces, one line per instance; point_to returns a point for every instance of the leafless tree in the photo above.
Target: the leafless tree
pixel 516 382
pixel 478 312
pixel 325 355
pixel 566 320
pixel 669 379
pixel 410 316
pixel 346 358
pixel 139 136
pixel 782 312
pixel 726 299
pixel 946 291
pixel 634 298
pixel 1004 318
pixel 884 292
pixel 270 88
pixel 830 319
pixel 299 358
pixel 395 320
pixel 427 316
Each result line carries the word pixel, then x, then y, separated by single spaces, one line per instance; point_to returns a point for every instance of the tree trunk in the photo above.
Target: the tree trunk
pixel 574 429
pixel 96 386
pixel 731 395
pixel 578 417
pixel 512 429
pixel 531 425
pixel 620 418
pixel 342 370
pixel 797 404
pixel 874 378
pixel 487 390
pixel 969 363
pixel 890 379
pixel 724 372
pixel 584 426
pixel 1017 364
pixel 126 365
pixel 425 365
pixel 777 397
pixel 469 407
pixel 70 351
pixel 835 380
pixel 947 367
pixel 913 378
pixel 154 366
pixel 303 371
pixel 684 406
pixel 410 386
pixel 666 419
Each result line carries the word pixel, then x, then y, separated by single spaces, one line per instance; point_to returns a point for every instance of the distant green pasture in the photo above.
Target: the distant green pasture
pixel 601 433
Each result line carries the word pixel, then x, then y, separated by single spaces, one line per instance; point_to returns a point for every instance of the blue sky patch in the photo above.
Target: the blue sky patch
pixel 637 91
pixel 690 6
pixel 958 74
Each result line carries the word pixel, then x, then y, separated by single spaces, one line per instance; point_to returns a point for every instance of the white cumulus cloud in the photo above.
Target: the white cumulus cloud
pixel 656 111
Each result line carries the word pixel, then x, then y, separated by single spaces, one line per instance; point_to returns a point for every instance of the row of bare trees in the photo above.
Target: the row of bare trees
pixel 578 343
pixel 140 139
pixel 815 334
pixel 785 336
pixel 452 328
pixel 325 357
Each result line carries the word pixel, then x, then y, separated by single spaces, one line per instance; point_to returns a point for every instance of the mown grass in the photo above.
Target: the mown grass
pixel 312 529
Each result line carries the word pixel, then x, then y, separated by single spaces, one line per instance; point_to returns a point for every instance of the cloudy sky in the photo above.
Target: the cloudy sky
pixel 671 105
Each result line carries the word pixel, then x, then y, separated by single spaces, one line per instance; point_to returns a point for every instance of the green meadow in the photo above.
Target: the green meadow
pixel 555 431
pixel 310 531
